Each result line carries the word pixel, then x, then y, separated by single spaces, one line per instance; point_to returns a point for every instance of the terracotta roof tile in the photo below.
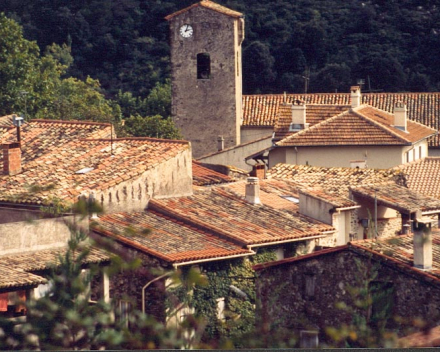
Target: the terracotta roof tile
pixel 209 5
pixel 203 176
pixel 262 110
pixel 239 220
pixel 364 125
pixel 169 239
pixel 335 180
pixel 54 151
pixel 423 176
pixel 15 270
pixel 397 197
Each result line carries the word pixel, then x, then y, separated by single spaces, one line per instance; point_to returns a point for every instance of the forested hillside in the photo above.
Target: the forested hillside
pixel 326 45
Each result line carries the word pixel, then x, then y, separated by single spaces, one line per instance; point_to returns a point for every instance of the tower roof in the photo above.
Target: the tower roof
pixel 209 5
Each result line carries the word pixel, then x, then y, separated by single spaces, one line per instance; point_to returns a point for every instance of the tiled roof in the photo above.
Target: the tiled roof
pixel 401 249
pixel 262 110
pixel 397 197
pixel 363 125
pixel 170 239
pixel 238 220
pixel 328 197
pixel 54 151
pixel 273 193
pixel 335 180
pixel 15 270
pixel 423 176
pixel 314 115
pixel 392 251
pixel 203 176
pixel 209 5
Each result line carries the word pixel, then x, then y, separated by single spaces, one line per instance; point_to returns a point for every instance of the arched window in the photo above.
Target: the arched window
pixel 203 66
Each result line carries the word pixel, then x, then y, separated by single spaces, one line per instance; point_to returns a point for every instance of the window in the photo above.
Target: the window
pixel 203 66
pixel 309 286
pixel 308 339
pixel 420 152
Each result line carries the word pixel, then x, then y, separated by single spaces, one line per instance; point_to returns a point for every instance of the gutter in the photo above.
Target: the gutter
pixel 430 212
pixel 348 208
pixel 250 246
pixel 176 265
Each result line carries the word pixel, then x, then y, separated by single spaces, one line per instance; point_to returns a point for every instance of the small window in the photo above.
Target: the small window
pixel 308 339
pixel 203 66
pixel 407 157
pixel 309 286
pixel 420 152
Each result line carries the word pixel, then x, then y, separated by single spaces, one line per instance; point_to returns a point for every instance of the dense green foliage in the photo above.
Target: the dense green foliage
pixel 328 44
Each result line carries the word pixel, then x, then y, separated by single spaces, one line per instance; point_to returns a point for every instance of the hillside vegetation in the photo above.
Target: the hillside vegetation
pixel 318 45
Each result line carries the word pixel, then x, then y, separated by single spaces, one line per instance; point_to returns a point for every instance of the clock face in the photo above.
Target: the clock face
pixel 186 31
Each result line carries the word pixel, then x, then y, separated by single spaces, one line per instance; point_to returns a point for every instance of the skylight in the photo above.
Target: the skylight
pixel 84 170
pixel 291 199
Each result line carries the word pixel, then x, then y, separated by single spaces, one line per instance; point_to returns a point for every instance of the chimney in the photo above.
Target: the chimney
pixel 220 143
pixel 258 171
pixel 422 242
pixel 400 116
pixel 253 190
pixel 11 159
pixel 298 116
pixel 355 95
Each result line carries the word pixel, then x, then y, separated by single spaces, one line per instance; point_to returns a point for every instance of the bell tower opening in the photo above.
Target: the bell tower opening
pixel 203 66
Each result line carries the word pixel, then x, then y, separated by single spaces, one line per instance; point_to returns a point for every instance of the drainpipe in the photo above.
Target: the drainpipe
pixel 148 284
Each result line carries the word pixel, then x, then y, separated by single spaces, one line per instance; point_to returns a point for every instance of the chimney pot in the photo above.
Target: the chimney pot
pixel 298 116
pixel 400 116
pixel 355 95
pixel 422 242
pixel 11 159
pixel 220 143
pixel 253 190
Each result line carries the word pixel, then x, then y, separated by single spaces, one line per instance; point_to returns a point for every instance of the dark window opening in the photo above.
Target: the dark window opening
pixel 308 339
pixel 203 66
pixel 309 286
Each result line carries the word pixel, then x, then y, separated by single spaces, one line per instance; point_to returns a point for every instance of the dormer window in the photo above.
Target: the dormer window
pixel 203 66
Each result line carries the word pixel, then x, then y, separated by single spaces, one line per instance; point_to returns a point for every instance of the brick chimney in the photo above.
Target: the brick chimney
pixel 253 190
pixel 298 116
pixel 422 242
pixel 400 116
pixel 11 159
pixel 355 95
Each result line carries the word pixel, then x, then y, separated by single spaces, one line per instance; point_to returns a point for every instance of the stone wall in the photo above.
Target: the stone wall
pixel 204 109
pixel 172 178
pixel 284 304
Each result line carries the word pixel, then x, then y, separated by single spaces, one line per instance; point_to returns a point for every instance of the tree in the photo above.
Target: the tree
pixel 151 126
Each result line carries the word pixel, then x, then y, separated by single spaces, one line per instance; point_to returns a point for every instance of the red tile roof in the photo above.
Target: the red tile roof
pixel 423 176
pixel 273 193
pixel 208 5
pixel 314 115
pixel 238 220
pixel 335 180
pixel 397 197
pixel 363 125
pixel 170 239
pixel 262 110
pixel 16 270
pixel 202 176
pixel 54 151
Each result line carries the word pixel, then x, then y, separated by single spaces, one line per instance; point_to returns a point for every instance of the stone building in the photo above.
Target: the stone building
pixel 205 43
pixel 300 296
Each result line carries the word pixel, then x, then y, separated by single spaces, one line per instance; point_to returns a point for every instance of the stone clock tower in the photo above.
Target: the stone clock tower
pixel 206 74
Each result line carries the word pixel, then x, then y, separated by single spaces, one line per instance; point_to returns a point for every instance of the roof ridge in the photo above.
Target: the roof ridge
pixel 134 139
pixel 71 122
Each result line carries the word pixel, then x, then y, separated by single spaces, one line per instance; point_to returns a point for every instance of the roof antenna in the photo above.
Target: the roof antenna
pixel 17 122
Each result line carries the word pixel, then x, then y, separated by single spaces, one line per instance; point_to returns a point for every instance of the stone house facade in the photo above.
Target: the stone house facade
pixel 302 294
